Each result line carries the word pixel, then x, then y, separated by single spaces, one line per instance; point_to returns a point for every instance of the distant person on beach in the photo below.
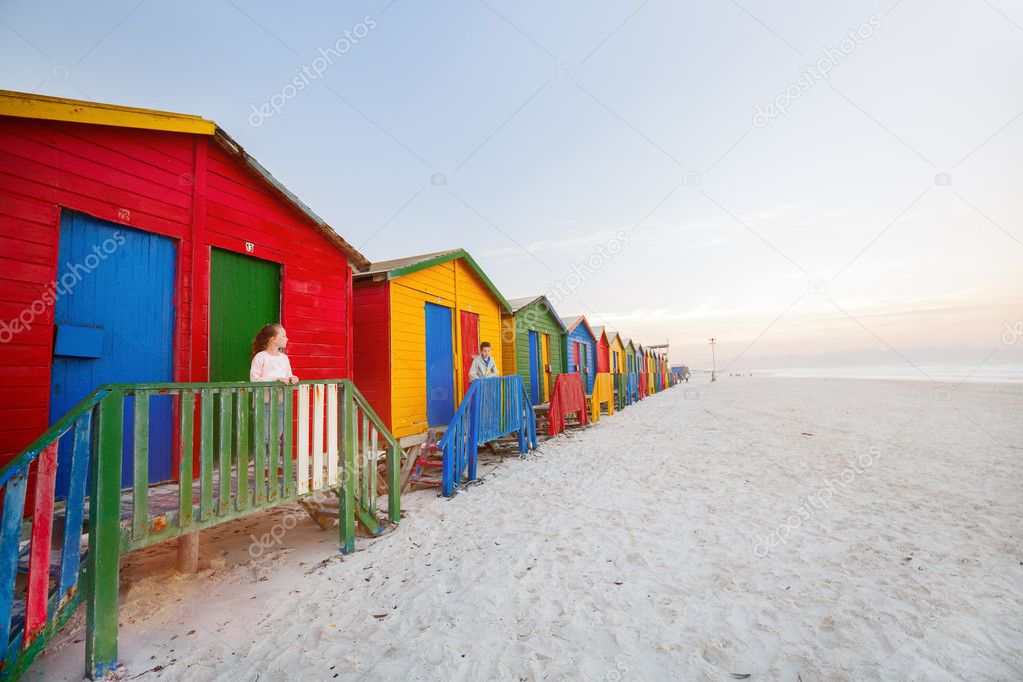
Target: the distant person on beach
pixel 269 363
pixel 483 366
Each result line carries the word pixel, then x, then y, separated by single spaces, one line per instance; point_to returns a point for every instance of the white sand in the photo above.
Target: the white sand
pixel 630 550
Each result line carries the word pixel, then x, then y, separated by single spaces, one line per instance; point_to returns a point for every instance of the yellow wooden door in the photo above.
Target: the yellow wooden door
pixel 545 342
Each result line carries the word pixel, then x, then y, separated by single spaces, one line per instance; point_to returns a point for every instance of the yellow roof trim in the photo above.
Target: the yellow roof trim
pixel 27 105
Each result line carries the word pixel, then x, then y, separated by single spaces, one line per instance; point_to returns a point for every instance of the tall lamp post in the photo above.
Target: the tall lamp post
pixel 713 360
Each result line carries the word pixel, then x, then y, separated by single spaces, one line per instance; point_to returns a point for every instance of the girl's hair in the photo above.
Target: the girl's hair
pixel 263 337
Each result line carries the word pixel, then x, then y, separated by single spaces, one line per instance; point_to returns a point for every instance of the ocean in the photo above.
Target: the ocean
pixel 990 372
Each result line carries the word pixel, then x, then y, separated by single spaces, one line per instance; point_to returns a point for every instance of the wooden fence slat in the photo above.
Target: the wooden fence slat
pixel 286 444
pixel 185 441
pixel 39 551
pixel 303 439
pixel 104 539
pixel 140 472
pixel 206 454
pixel 373 456
pixel 259 445
pixel 364 463
pixel 242 409
pixel 332 452
pixel 273 462
pixel 10 537
pixel 346 495
pixel 224 451
pixel 318 405
pixel 71 549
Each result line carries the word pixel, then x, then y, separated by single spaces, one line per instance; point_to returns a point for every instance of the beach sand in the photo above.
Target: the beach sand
pixel 780 528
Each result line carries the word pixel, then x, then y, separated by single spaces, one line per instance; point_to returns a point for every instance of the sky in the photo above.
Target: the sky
pixel 787 177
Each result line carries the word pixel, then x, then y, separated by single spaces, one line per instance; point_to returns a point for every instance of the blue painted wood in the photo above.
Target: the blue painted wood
pixel 10 534
pixel 122 280
pixel 440 366
pixel 71 548
pixel 78 341
pixel 491 408
pixel 534 368
pixel 589 345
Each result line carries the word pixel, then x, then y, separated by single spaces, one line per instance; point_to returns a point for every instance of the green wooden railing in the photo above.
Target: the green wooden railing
pixel 232 461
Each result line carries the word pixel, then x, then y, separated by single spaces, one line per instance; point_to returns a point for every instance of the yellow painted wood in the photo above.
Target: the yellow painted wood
pixel 453 285
pixel 603 393
pixel 618 349
pixel 545 360
pixel 508 364
pixel 26 105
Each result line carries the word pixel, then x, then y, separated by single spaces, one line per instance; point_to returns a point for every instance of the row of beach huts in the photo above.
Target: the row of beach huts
pixel 144 246
pixel 140 252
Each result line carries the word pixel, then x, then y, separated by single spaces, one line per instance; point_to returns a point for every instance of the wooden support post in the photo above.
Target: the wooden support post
pixel 104 540
pixel 394 483
pixel 346 494
pixel 188 553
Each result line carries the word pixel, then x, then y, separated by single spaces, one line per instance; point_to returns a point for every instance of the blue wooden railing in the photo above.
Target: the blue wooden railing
pixel 491 408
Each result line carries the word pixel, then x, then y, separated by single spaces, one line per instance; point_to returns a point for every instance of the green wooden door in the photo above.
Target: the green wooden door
pixel 245 294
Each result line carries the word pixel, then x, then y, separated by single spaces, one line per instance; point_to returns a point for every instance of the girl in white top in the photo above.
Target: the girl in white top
pixel 269 363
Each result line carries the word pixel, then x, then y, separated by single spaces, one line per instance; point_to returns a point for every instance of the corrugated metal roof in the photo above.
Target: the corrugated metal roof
pixel 398 267
pixel 397 263
pixel 572 322
pixel 518 304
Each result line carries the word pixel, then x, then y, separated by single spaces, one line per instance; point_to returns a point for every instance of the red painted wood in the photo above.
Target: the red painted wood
pixel 603 355
pixel 39 557
pixel 179 185
pixel 567 397
pixel 371 352
pixel 470 325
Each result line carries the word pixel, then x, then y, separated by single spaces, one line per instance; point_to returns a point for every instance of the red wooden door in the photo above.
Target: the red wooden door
pixel 470 323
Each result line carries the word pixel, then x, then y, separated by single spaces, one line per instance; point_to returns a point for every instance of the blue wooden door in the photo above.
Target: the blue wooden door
pixel 440 366
pixel 114 324
pixel 534 368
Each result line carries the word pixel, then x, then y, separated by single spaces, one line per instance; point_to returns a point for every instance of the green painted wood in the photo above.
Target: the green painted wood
pixel 206 454
pixel 242 445
pixel 186 437
pixel 347 424
pixel 273 462
pixel 245 294
pixel 364 465
pixel 225 408
pixel 53 626
pixel 374 445
pixel 140 477
pixel 394 483
pixel 104 539
pixel 367 519
pixel 289 475
pixel 259 445
pixel 537 317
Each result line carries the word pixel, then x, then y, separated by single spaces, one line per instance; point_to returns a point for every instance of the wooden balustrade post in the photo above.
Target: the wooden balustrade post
pixel 346 494
pixel 188 553
pixel 104 540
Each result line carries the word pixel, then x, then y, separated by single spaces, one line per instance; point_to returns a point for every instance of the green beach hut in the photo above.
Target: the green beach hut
pixel 537 334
